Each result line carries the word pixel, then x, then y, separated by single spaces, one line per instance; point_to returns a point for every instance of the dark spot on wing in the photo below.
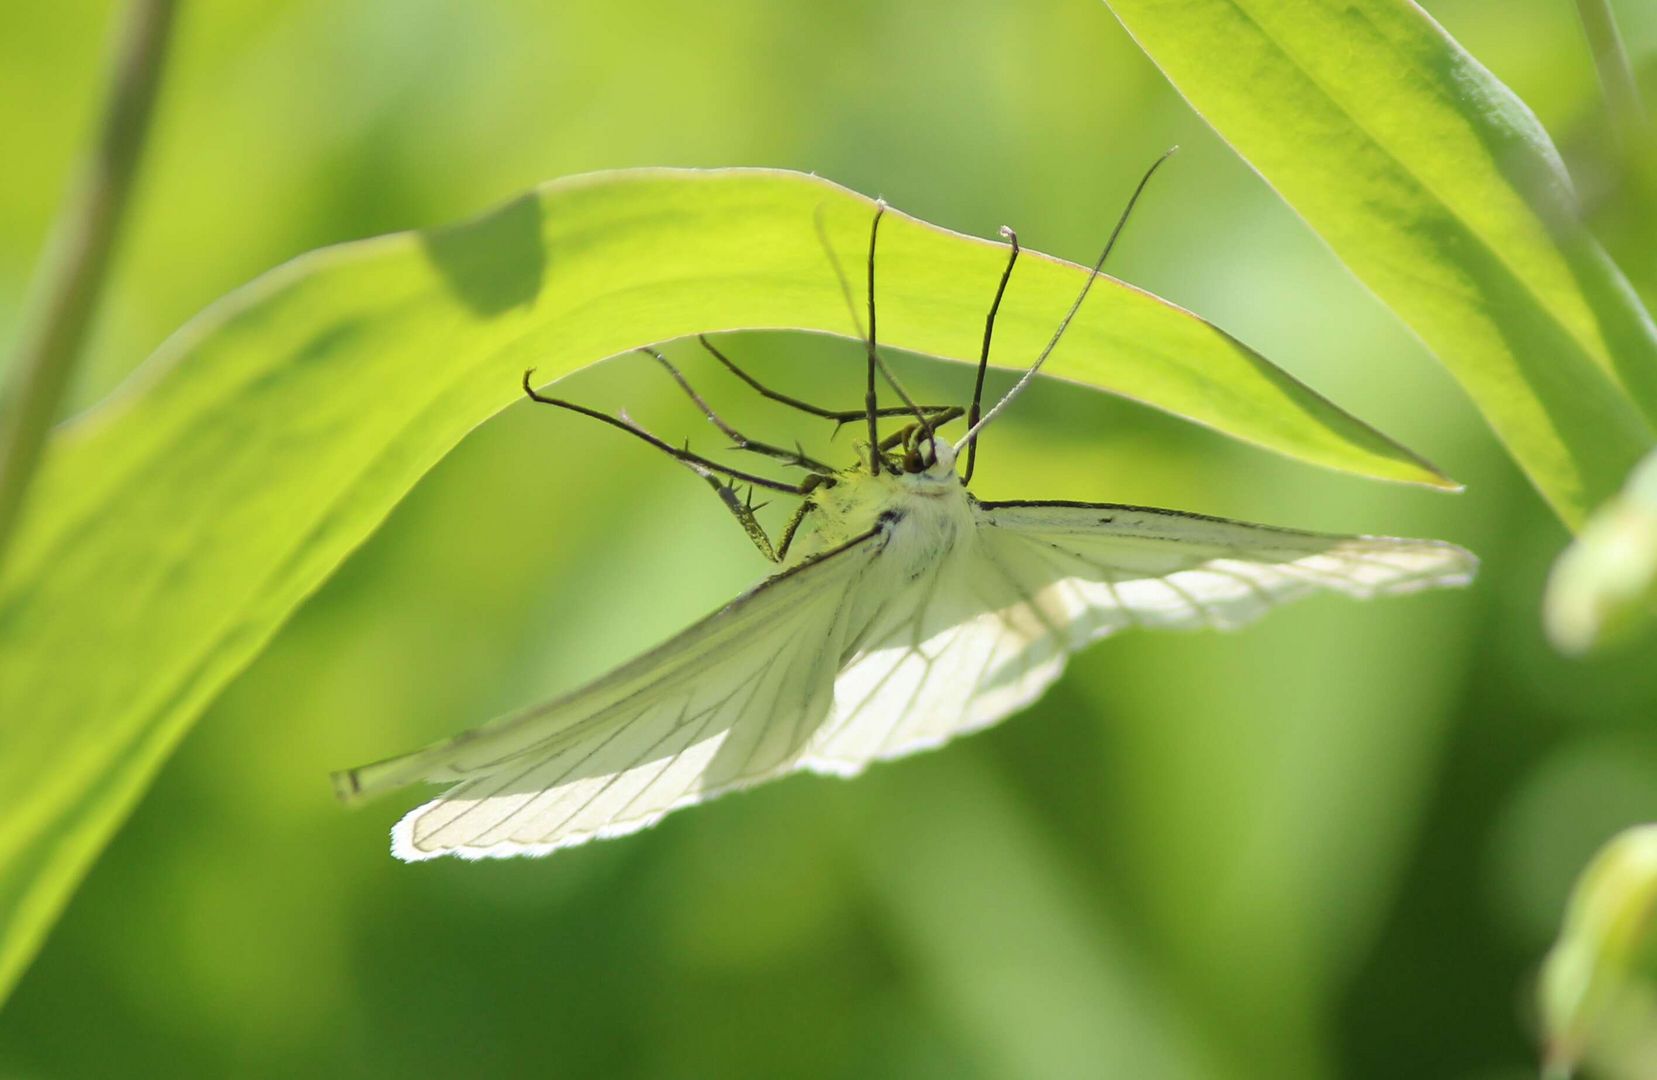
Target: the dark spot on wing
pixel 889 517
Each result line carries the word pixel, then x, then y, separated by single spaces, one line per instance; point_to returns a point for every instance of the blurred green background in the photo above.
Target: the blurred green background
pixel 1334 845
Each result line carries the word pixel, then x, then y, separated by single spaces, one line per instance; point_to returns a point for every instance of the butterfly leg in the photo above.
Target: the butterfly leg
pixel 839 416
pixel 796 457
pixel 793 527
pixel 696 463
pixel 744 514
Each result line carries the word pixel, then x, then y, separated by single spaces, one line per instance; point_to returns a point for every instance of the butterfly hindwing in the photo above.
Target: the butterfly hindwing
pixel 724 704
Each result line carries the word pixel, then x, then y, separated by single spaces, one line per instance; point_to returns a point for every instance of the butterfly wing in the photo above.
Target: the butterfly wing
pixel 726 703
pixel 1106 566
pixel 832 665
pixel 953 651
pixel 991 628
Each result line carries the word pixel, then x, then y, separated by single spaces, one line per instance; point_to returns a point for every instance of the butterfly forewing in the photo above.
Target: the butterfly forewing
pixel 1104 567
pixel 985 633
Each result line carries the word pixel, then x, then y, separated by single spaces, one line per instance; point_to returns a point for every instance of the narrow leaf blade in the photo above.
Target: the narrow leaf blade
pixel 1442 193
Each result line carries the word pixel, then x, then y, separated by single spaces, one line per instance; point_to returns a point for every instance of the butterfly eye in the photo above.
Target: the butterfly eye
pixel 914 457
pixel 926 453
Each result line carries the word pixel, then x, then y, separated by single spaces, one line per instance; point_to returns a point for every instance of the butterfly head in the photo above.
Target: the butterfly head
pixel 921 454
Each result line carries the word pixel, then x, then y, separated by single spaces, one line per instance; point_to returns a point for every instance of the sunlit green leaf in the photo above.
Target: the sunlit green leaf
pixel 1442 193
pixel 177 526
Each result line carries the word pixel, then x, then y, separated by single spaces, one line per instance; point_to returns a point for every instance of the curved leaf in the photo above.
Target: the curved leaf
pixel 180 523
pixel 1443 194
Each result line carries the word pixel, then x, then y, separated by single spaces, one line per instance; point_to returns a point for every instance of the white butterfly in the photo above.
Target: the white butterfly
pixel 910 614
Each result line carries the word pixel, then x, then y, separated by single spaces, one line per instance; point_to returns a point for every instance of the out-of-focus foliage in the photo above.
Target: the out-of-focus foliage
pixel 276 431
pixel 1442 192
pixel 1604 587
pixel 1332 846
pixel 1599 986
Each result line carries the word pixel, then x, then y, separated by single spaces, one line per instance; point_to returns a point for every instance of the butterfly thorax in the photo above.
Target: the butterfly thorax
pixel 921 515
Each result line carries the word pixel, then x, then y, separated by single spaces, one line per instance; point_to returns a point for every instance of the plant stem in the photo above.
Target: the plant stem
pixel 1616 77
pixel 77 259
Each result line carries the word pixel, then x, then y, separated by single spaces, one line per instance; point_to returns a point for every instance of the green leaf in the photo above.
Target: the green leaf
pixel 1441 192
pixel 176 527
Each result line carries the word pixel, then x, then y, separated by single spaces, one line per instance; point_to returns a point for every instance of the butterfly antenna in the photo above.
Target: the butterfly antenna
pixel 875 359
pixel 1011 237
pixel 1064 324
pixel 870 400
